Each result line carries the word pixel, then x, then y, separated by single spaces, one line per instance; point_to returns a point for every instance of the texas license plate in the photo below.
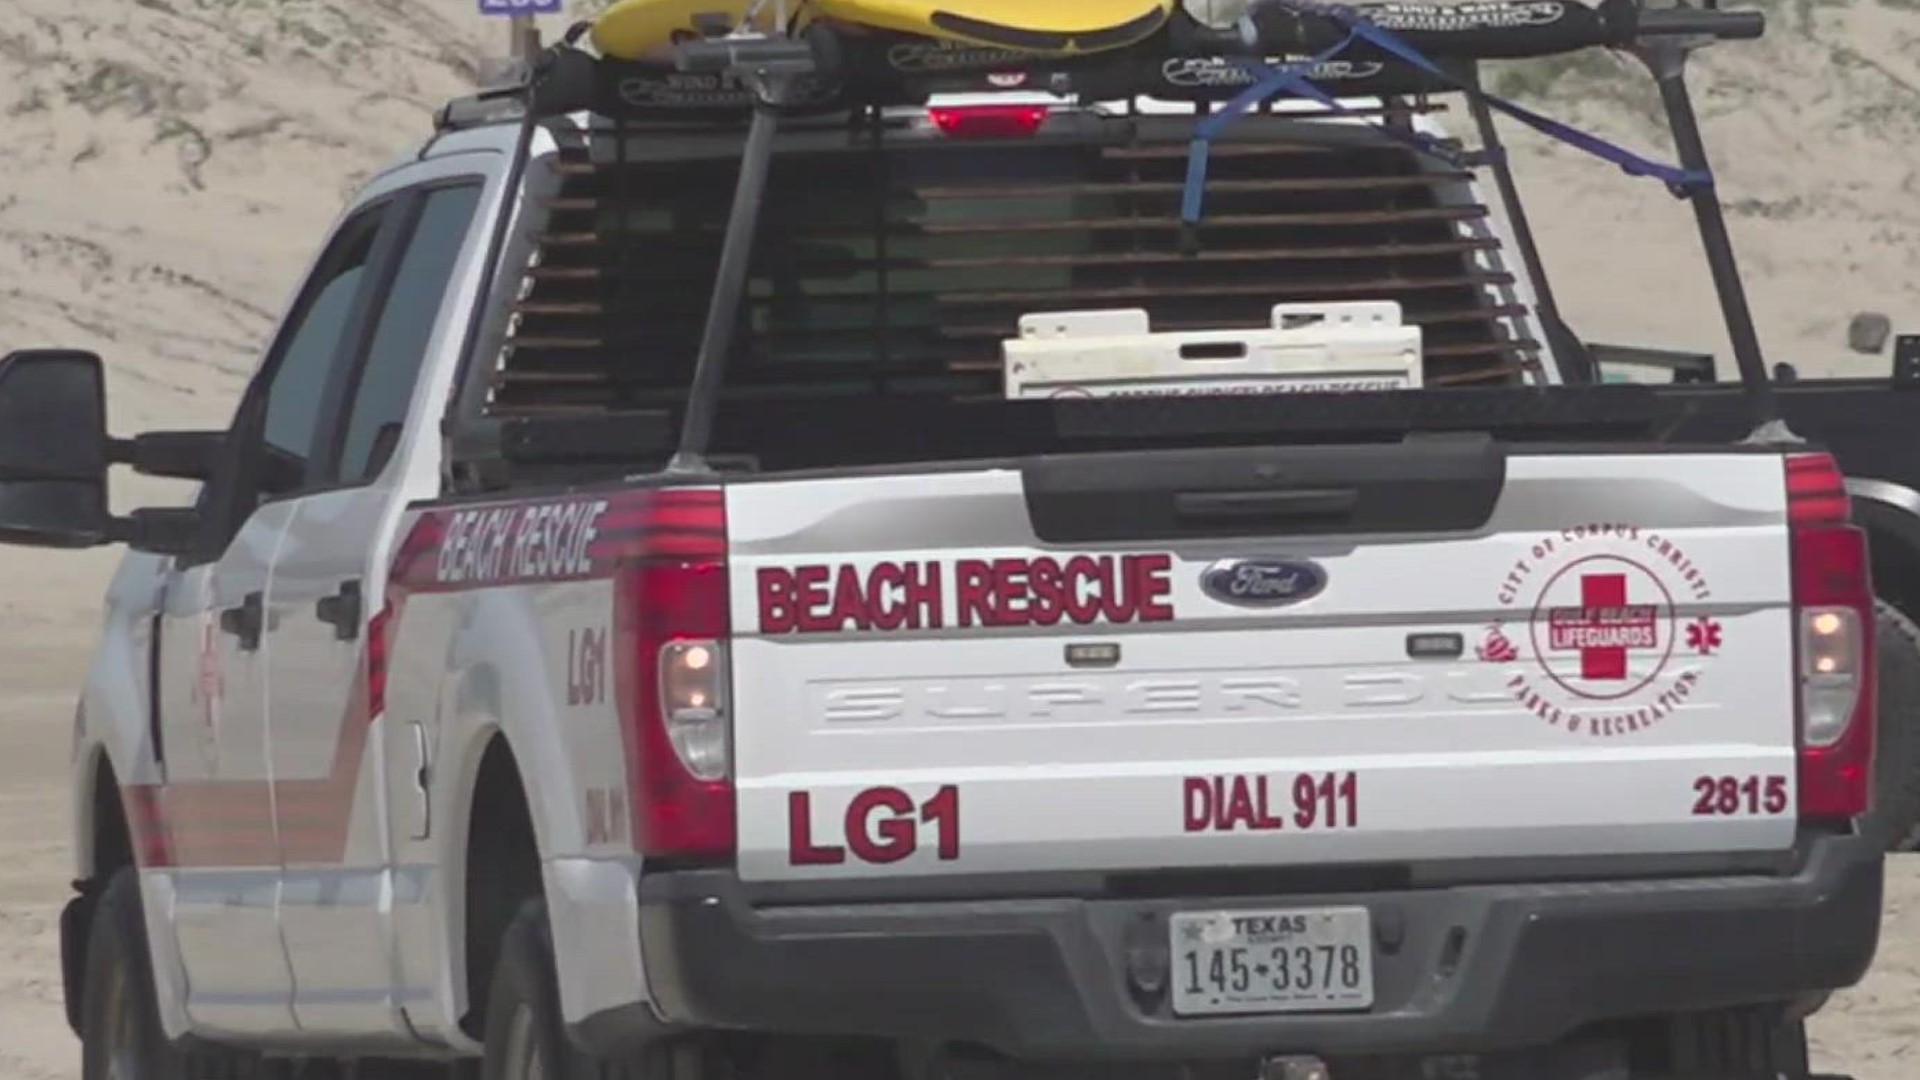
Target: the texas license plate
pixel 1289 960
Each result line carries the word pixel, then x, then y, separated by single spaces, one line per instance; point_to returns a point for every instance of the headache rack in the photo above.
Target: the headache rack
pixel 938 276
pixel 916 290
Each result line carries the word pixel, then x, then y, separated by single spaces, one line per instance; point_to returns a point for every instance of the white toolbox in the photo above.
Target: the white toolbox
pixel 1341 347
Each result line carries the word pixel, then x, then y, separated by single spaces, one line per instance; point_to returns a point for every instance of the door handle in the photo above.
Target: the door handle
pixel 342 609
pixel 246 621
pixel 422 783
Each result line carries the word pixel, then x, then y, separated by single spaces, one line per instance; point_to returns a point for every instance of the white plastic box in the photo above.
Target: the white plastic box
pixel 1339 347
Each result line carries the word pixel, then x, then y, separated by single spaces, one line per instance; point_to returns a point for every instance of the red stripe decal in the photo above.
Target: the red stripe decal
pixel 579 537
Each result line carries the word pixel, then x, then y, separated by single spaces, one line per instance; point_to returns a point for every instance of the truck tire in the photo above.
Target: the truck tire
pixel 524 1036
pixel 1894 818
pixel 1737 1043
pixel 120 1033
pixel 526 1040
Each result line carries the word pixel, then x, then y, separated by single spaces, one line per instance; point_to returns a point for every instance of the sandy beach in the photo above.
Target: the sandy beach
pixel 170 166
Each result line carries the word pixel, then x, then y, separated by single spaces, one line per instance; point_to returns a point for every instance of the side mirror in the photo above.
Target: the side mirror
pixel 1629 363
pixel 55 451
pixel 176 455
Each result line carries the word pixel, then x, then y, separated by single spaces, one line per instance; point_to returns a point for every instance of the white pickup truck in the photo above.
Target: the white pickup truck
pixel 920 723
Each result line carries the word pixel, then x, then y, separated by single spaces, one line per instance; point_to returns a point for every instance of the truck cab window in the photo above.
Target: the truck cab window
pixel 296 390
pixel 410 307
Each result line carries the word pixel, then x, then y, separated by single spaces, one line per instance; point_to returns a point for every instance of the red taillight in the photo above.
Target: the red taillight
pixel 1816 491
pixel 672 681
pixel 988 121
pixel 1833 644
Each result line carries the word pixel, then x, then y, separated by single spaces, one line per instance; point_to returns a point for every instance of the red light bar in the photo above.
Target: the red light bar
pixel 1816 490
pixel 988 121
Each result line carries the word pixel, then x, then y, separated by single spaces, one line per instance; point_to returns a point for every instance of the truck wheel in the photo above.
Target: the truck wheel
pixel 1894 818
pixel 1736 1042
pixel 524 1036
pixel 120 1033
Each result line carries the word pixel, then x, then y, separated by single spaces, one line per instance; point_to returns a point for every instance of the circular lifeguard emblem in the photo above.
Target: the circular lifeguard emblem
pixel 1592 629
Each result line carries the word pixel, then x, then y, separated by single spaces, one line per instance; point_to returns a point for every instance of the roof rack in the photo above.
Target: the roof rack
pixel 825 73
pixel 1340 52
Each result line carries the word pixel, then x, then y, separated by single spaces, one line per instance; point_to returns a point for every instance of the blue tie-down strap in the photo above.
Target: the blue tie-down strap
pixel 1682 182
pixel 1271 82
pixel 1268 83
pixel 1418 141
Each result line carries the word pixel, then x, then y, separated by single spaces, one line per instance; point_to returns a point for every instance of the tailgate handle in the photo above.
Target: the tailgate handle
pixel 1260 505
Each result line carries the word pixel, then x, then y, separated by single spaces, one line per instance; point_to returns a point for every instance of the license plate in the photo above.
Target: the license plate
pixel 1290 960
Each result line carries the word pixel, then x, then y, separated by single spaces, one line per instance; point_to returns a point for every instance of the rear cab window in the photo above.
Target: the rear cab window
pixel 893 268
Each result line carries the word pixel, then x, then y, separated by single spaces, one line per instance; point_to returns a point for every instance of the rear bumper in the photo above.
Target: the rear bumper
pixel 1047 978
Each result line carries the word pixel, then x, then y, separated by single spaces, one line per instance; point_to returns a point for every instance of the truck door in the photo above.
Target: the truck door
pixel 221 850
pixel 328 587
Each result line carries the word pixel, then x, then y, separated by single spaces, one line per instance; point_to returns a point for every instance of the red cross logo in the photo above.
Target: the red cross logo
pixel 208 683
pixel 1603 628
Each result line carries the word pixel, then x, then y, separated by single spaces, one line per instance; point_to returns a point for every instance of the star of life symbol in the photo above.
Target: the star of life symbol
pixel 1703 636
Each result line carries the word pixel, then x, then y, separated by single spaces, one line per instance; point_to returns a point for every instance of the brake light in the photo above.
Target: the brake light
pixel 1834 641
pixel 988 121
pixel 671 680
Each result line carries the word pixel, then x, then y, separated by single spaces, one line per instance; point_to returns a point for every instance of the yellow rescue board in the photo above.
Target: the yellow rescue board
pixel 647 29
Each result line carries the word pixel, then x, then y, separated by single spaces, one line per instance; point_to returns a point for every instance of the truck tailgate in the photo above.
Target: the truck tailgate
pixel 1281 656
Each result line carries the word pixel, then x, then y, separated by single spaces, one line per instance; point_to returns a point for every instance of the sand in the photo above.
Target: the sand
pixel 169 167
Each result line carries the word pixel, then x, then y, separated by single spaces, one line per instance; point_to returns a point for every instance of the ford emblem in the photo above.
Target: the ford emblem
pixel 1263 582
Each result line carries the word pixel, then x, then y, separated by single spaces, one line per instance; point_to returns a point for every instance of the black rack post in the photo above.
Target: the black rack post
pixel 1666 57
pixel 771 67
pixel 729 285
